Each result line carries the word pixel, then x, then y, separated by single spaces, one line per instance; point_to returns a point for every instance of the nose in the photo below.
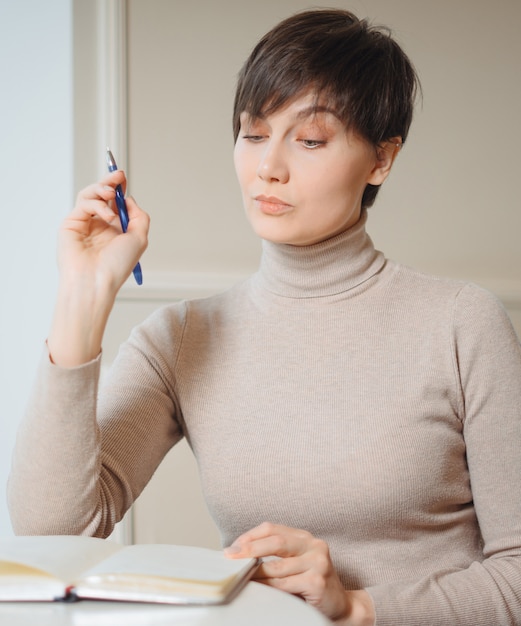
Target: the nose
pixel 273 166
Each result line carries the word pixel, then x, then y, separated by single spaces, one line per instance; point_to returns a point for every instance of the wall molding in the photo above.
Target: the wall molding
pixel 165 286
pixel 112 80
pixel 112 126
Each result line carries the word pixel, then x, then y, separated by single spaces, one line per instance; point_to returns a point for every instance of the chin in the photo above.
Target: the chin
pixel 287 239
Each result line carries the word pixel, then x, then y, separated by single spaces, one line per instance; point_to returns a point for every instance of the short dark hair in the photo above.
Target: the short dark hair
pixel 359 68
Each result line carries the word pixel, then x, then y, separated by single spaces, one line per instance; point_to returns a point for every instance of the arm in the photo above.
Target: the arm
pixel 57 455
pixel 487 364
pixel 83 457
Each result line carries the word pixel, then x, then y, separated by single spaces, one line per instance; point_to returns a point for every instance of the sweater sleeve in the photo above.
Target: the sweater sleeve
pixel 487 365
pixel 81 457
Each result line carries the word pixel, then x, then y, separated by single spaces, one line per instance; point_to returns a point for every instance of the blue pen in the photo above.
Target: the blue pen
pixel 123 214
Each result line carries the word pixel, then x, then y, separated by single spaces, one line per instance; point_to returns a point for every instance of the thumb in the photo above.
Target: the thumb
pixel 139 221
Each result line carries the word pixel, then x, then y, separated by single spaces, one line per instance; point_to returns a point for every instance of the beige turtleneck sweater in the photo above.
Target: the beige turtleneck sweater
pixel 335 391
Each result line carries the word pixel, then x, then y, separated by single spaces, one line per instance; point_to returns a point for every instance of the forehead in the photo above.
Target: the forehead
pixel 299 109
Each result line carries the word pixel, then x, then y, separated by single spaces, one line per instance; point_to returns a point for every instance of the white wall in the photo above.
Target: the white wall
pixel 35 192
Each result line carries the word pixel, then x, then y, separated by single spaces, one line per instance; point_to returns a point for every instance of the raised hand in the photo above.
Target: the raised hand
pixel 91 243
pixel 94 258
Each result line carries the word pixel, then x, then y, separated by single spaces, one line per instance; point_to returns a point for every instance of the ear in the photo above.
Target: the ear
pixel 386 152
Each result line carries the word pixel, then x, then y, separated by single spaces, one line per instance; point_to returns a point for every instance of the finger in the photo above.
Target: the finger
pixel 86 208
pixel 263 530
pixel 279 568
pixel 139 224
pixel 136 213
pixel 105 187
pixel 326 594
pixel 300 584
pixel 98 198
pixel 270 540
pixel 115 178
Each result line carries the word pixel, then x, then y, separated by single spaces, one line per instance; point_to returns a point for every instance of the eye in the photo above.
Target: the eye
pixel 253 138
pixel 311 144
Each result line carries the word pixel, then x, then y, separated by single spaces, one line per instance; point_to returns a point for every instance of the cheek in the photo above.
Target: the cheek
pixel 243 166
pixel 332 184
pixel 236 160
pixel 347 180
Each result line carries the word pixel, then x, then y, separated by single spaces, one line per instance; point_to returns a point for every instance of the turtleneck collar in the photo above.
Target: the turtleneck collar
pixel 323 269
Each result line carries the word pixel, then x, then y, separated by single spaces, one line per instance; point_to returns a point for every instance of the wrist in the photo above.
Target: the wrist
pixel 79 322
pixel 360 609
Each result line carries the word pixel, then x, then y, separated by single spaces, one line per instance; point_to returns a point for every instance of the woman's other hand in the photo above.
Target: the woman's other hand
pixel 302 566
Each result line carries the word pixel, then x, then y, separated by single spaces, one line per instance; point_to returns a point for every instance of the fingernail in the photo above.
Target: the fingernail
pixel 233 549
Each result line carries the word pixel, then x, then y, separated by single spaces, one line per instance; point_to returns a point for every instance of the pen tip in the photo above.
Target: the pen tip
pixel 110 160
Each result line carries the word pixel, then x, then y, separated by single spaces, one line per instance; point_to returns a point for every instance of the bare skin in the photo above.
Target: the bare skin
pixel 303 567
pixel 94 260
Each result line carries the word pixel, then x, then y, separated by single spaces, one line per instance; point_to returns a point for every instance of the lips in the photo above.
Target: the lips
pixel 272 205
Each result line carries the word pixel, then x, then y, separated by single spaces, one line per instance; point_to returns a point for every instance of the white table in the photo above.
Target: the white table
pixel 256 605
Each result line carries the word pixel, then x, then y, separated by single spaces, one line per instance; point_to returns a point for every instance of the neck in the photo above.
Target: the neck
pixel 323 269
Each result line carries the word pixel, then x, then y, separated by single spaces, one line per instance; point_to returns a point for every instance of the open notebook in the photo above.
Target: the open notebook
pixel 69 567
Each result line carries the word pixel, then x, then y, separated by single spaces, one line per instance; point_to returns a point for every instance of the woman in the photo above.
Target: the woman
pixel 353 418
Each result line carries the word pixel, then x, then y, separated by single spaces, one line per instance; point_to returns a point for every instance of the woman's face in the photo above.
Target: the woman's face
pixel 301 174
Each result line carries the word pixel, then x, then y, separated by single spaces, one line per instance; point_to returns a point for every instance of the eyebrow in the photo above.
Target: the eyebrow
pixel 301 115
pixel 313 110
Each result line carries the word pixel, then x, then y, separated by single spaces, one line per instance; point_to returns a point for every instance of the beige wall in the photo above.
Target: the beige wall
pixel 450 207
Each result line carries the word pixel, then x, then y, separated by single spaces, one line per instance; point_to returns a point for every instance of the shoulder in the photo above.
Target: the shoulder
pixel 417 279
pixel 464 305
pixel 461 293
pixel 172 320
pixel 472 309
